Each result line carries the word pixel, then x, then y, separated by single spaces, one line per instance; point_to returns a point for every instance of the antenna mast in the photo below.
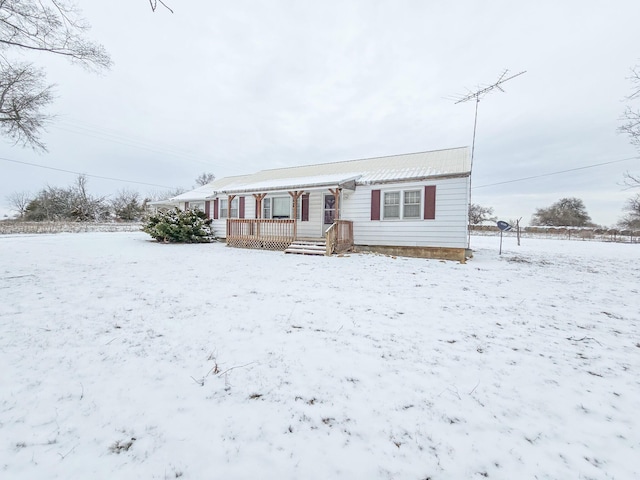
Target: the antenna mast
pixel 477 96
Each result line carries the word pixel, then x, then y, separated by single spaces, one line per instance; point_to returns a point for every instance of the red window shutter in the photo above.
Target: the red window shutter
pixel 186 205
pixel 375 204
pixel 207 208
pixel 430 202
pixel 256 209
pixel 241 208
pixel 305 207
pixel 216 210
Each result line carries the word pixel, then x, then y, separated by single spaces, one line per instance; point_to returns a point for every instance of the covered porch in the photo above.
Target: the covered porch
pixel 285 233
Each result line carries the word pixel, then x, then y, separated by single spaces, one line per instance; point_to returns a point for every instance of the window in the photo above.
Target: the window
pixel 411 207
pixel 224 203
pixel 196 205
pixel 402 205
pixel 234 208
pixel 392 205
pixel 280 207
pixel 266 208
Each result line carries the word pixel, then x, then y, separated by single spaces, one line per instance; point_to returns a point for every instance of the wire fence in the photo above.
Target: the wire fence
pixel 18 227
pixel 564 233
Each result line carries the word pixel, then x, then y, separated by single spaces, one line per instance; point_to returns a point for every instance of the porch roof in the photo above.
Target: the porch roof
pixel 312 182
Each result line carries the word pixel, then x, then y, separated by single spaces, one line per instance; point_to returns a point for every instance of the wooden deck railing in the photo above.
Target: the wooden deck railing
pixel 261 233
pixel 339 236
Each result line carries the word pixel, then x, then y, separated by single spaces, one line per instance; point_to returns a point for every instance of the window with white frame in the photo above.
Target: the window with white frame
pixel 391 205
pixel 224 208
pixel 198 205
pixel 405 204
pixel 280 207
pixel 411 204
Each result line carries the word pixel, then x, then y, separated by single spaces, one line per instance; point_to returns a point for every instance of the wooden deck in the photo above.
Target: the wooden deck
pixel 265 234
pixel 339 237
pixel 269 234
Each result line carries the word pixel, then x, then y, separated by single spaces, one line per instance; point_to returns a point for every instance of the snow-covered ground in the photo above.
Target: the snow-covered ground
pixel 121 358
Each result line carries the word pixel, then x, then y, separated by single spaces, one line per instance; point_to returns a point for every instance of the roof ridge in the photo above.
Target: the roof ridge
pixel 362 159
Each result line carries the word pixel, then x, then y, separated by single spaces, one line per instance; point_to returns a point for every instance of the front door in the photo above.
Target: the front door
pixel 329 211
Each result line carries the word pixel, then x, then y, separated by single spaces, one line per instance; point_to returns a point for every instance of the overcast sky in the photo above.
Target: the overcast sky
pixel 235 87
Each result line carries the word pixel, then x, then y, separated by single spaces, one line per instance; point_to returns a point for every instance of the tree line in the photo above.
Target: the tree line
pixel 566 212
pixel 76 203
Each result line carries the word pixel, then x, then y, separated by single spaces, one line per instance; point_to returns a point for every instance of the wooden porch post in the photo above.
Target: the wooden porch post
pixel 336 195
pixel 259 197
pixel 295 195
pixel 229 200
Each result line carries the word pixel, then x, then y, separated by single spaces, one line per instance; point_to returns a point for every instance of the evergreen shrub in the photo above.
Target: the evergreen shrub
pixel 179 226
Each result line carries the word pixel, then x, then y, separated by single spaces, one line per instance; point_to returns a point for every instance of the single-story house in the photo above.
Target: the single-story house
pixel 413 204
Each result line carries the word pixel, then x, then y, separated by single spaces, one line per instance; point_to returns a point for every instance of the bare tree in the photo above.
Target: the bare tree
pixel 19 201
pixel 631 115
pixel 205 178
pixel 566 212
pixel 86 207
pixel 126 205
pixel 158 195
pixel 632 218
pixel 51 26
pixel 479 214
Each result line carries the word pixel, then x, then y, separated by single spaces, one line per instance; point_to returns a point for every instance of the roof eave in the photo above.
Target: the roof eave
pixel 344 183
pixel 421 178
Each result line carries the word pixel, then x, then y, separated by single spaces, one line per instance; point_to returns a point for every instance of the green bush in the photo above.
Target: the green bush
pixel 178 226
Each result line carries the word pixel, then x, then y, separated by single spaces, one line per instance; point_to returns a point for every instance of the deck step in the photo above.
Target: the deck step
pixel 307 248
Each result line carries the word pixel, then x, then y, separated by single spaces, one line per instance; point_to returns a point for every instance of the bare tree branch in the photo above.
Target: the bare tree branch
pixel 631 180
pixel 23 96
pixel 51 26
pixel 55 27
pixel 631 115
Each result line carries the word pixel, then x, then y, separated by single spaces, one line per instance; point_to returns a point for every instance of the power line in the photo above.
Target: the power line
pixel 82 127
pixel 129 142
pixel 85 174
pixel 557 173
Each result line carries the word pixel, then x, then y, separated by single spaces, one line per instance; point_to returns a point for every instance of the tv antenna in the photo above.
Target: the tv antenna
pixel 477 96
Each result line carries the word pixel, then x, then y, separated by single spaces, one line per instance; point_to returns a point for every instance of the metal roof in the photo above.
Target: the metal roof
pixel 411 166
pixel 394 168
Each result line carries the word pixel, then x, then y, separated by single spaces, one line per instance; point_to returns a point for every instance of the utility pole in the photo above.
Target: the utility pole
pixel 477 96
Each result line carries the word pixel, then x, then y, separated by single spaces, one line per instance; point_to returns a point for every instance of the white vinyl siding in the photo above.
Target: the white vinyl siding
pixel 449 229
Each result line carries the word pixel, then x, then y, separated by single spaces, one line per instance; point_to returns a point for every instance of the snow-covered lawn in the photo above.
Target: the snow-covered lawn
pixel 125 359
